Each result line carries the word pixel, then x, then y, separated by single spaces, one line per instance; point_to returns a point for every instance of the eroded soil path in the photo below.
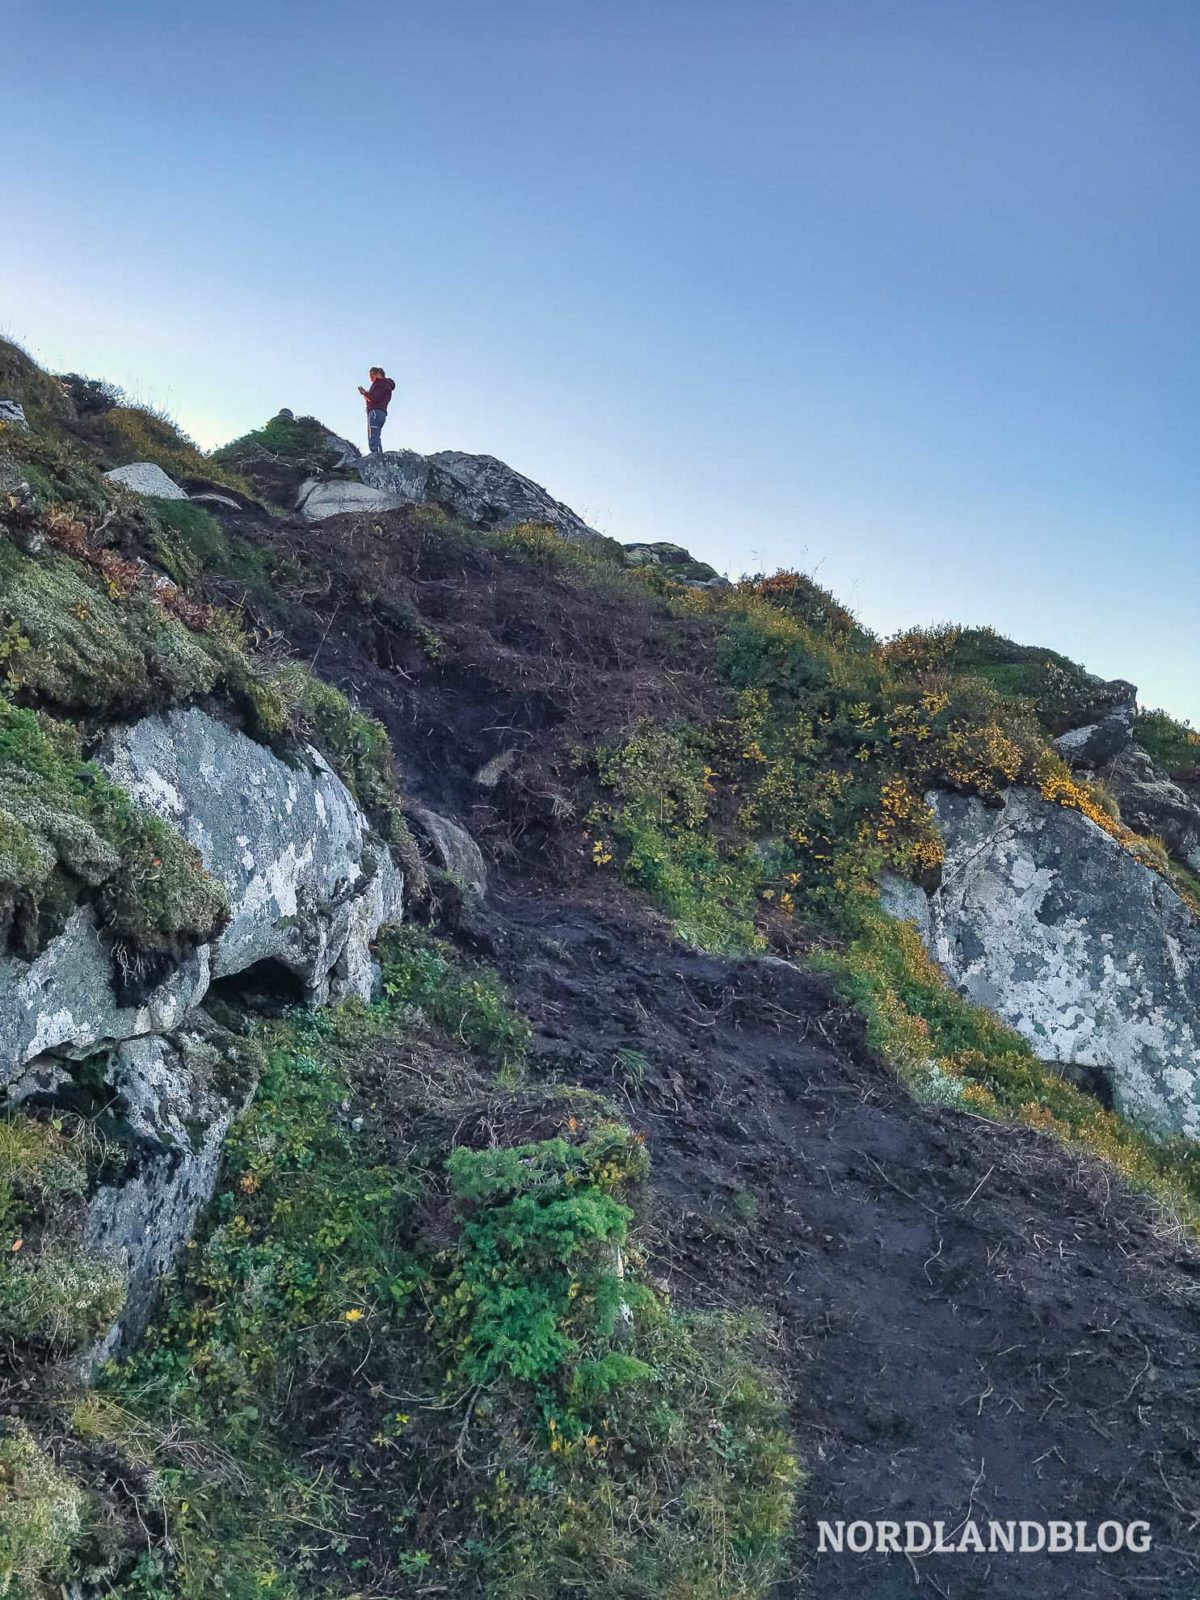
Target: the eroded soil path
pixel 974 1322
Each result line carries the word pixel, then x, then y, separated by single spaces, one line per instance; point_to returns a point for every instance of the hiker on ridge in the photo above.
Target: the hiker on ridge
pixel 377 397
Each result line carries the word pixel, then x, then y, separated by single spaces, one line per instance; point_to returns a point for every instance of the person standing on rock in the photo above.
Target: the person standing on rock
pixel 377 397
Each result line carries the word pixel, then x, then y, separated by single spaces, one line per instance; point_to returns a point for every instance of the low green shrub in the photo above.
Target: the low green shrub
pixel 58 1299
pixel 42 1517
pixel 1173 745
pixel 469 1002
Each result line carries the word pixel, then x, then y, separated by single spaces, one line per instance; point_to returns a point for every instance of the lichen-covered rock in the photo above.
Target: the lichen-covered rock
pixel 477 489
pixel 1043 918
pixel 12 412
pixel 295 853
pixel 320 498
pixel 176 1097
pixel 1098 742
pixel 1152 803
pixel 675 562
pixel 308 882
pixel 64 1002
pixel 454 850
pixel 145 477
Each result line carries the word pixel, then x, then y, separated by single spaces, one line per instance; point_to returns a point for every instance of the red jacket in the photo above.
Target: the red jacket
pixel 379 394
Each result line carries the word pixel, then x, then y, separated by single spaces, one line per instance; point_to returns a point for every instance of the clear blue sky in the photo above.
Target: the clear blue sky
pixel 904 292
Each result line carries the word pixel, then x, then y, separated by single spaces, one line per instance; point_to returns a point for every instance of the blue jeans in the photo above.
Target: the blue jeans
pixel 375 422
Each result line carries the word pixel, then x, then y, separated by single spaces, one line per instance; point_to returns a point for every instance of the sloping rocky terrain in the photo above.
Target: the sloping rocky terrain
pixel 474 1126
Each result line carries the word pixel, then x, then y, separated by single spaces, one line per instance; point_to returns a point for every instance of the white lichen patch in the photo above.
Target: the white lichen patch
pixel 1047 921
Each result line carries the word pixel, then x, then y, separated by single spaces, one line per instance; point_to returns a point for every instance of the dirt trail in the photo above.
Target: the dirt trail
pixel 974 1321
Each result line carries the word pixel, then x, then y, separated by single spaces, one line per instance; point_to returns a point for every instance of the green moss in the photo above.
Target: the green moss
pixel 282 436
pixel 87 650
pixel 189 542
pixel 1173 745
pixel 519 1410
pixel 66 830
pixel 42 1517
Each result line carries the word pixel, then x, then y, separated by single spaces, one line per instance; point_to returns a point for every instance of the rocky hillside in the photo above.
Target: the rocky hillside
pixel 532 1070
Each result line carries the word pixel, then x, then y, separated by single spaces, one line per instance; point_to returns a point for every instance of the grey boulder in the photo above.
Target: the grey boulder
pixel 320 498
pixel 1047 921
pixel 147 478
pixel 1151 803
pixel 63 1002
pixel 453 848
pixel 176 1096
pixel 1091 746
pixel 308 882
pixel 12 412
pixel 477 489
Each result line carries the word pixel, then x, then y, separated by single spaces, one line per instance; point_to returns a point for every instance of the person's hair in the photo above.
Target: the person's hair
pixel 378 370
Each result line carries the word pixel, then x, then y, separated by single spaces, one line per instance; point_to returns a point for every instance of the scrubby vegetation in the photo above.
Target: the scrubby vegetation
pixel 453 1298
pixel 785 812
pixel 283 435
pixel 1174 745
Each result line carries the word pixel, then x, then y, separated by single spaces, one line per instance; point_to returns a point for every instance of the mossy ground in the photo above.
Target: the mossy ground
pixel 455 1300
pixel 88 632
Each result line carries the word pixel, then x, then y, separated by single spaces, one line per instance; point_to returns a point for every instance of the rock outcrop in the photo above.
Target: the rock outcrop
pixel 309 885
pixel 477 489
pixel 1046 920
pixel 278 458
pixel 12 412
pixel 145 477
pixel 1152 803
pixel 453 849
pixel 320 498
pixel 1091 746
pixel 674 562
pixel 178 1095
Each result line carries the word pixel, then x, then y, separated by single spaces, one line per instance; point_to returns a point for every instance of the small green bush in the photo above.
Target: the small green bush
pixel 42 1516
pixel 1173 745
pixel 501 1367
pixel 58 1299
pixel 470 1003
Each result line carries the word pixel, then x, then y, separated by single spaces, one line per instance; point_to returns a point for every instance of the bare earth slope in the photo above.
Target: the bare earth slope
pixel 975 1321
